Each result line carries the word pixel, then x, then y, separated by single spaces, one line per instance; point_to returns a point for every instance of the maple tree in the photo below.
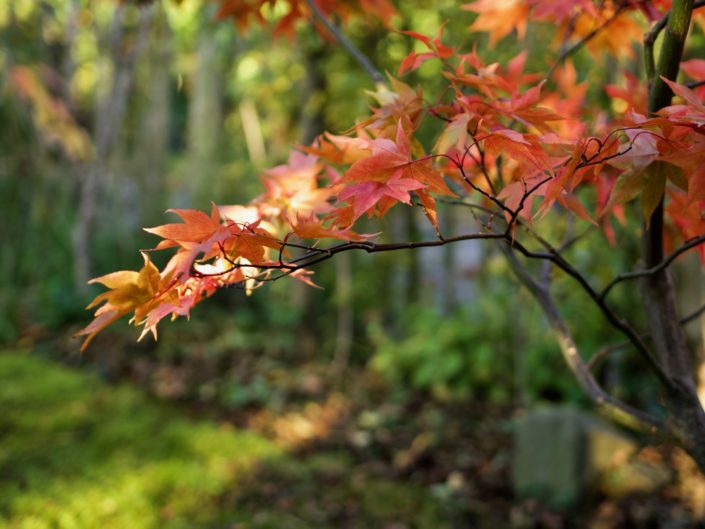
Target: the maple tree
pixel 515 147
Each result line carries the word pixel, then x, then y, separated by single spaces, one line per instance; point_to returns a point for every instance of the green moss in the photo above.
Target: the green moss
pixel 75 453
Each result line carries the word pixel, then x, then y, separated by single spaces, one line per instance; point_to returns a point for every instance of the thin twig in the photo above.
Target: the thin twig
pixel 356 54
pixel 693 315
pixel 650 39
pixel 695 84
pixel 645 335
pixel 575 47
pixel 611 406
pixel 689 244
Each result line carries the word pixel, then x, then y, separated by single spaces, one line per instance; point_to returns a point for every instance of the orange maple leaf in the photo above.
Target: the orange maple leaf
pixel 197 226
pixel 313 228
pixel 499 17
pixel 129 291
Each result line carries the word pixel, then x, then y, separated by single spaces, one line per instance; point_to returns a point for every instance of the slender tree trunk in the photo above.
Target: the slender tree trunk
pixel 449 300
pixel 674 360
pixel 153 133
pixel 690 295
pixel 254 140
pixel 314 92
pixel 412 290
pixel 109 115
pixel 68 66
pixel 205 112
pixel 345 313
pixel 311 124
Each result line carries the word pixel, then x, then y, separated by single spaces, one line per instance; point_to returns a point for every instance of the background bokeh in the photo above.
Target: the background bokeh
pixel 384 400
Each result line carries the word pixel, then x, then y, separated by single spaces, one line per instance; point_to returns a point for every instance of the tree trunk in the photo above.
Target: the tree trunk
pixel 673 359
pixel 109 115
pixel 153 134
pixel 205 123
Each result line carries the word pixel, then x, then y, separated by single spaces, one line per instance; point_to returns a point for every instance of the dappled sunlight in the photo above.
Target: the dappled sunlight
pixel 313 422
pixel 503 189
pixel 75 453
pixel 690 484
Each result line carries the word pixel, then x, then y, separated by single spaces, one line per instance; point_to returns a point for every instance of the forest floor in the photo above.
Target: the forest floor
pixel 79 452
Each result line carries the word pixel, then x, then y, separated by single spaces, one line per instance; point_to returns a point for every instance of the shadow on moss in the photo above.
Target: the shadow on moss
pixel 77 453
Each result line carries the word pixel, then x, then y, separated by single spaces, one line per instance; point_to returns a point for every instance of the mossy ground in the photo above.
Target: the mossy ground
pixel 78 453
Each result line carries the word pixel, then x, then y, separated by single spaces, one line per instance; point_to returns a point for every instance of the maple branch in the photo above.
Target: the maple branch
pixel 354 52
pixel 621 345
pixel 554 255
pixel 319 255
pixel 689 244
pixel 621 324
pixel 695 84
pixel 650 39
pixel 481 162
pixel 693 315
pixel 591 364
pixel 611 406
pixel 565 54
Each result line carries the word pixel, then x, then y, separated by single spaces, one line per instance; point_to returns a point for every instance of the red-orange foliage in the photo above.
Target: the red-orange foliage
pixel 535 126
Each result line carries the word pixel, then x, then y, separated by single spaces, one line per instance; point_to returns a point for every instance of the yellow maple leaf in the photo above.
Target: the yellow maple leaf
pixel 129 291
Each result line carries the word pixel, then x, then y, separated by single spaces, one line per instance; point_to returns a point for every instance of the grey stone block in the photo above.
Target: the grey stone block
pixel 560 453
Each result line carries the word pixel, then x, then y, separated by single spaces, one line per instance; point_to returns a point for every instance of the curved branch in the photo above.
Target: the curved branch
pixel 695 84
pixel 665 263
pixel 685 320
pixel 576 47
pixel 613 319
pixel 554 256
pixel 693 315
pixel 614 408
pixel 650 39
pixel 354 52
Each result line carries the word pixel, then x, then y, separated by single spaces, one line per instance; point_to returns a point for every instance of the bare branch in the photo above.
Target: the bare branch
pixel 602 353
pixel 554 255
pixel 608 404
pixel 665 263
pixel 578 45
pixel 354 52
pixel 651 36
pixel 693 315
pixel 623 344
pixel 695 84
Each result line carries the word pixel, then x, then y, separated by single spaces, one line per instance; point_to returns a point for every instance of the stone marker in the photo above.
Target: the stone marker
pixel 561 454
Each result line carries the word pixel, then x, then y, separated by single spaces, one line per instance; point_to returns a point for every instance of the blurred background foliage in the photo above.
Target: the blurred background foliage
pixel 111 112
pixel 166 107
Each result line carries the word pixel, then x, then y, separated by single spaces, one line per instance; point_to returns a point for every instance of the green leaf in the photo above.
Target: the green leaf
pixel 655 181
pixel 677 177
pixel 626 188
